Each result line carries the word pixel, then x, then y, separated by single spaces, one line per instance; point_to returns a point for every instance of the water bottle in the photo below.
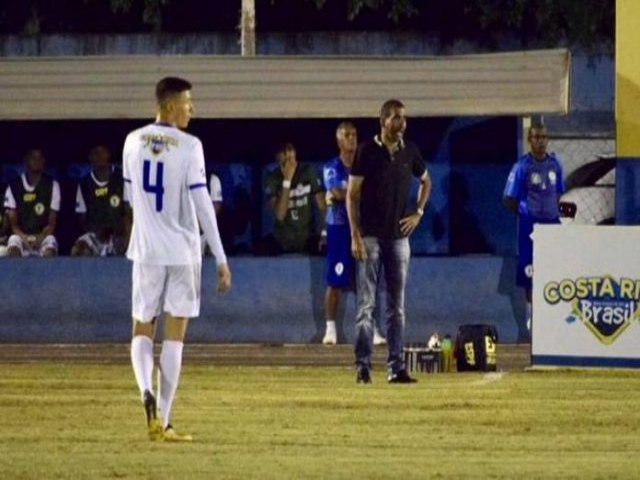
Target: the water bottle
pixel 447 354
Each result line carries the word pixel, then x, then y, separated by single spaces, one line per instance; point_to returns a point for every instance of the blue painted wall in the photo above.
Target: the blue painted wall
pixel 277 300
pixel 628 191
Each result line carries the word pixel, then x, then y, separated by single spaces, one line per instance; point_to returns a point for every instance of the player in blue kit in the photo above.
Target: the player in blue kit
pixel 340 261
pixel 533 191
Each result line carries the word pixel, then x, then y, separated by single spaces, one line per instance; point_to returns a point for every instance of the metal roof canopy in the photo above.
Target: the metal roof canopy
pixel 120 87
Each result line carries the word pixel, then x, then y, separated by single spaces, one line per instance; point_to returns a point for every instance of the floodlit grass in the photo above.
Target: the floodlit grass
pixel 85 421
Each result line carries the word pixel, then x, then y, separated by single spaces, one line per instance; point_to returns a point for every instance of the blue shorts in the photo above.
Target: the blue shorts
pixel 340 262
pixel 524 272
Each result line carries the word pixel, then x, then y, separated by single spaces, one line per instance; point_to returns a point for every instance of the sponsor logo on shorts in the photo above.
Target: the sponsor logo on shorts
pixel 339 268
pixel 604 305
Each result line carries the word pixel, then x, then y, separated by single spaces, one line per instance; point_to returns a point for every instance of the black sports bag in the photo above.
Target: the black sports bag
pixel 476 348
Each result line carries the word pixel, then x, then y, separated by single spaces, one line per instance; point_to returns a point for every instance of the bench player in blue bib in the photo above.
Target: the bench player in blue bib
pixel 340 261
pixel 533 191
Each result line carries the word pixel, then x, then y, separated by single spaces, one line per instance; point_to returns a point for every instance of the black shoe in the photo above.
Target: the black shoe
pixel 401 376
pixel 150 408
pixel 154 427
pixel 363 376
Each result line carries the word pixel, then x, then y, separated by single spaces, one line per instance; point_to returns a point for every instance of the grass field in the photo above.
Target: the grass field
pixel 85 421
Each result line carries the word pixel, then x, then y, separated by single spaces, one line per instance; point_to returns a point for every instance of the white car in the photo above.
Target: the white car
pixel 590 193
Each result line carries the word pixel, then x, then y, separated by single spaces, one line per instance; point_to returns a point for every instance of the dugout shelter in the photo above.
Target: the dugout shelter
pixel 84 89
pixel 119 87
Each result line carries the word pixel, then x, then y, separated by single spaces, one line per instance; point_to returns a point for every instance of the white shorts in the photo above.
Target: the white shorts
pixel 96 247
pixel 49 242
pixel 174 289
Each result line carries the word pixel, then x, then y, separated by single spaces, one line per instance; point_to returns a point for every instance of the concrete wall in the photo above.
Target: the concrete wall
pixel 273 300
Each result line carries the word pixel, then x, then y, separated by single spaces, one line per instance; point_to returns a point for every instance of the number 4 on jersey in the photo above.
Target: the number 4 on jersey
pixel 156 188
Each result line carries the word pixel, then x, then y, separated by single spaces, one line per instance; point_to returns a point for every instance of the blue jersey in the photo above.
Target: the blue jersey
pixel 335 175
pixel 537 186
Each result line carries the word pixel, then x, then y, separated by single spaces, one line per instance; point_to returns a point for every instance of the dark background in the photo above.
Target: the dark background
pixel 468 164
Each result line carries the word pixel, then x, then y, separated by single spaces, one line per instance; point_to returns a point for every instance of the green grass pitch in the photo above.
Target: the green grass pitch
pixel 85 421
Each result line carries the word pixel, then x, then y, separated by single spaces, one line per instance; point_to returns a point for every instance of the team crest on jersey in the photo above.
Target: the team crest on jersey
pixel 39 208
pixel 536 179
pixel 114 201
pixel 552 177
pixel 159 143
pixel 604 305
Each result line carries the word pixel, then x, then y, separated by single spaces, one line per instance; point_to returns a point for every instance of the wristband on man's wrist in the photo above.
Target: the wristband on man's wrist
pixel 420 211
pixel 286 184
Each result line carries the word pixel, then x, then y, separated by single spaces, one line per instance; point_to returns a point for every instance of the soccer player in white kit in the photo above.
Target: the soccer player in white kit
pixel 165 182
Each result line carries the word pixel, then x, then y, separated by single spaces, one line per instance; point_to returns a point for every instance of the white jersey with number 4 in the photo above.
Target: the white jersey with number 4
pixel 160 165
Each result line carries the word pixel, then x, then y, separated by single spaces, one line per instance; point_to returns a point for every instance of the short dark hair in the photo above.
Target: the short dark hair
pixel 169 86
pixel 535 126
pixel 96 150
pixel 344 125
pixel 389 105
pixel 32 152
pixel 283 147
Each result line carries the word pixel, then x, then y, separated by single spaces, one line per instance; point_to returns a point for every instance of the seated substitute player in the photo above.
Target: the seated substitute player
pixel 101 209
pixel 166 181
pixel 533 192
pixel 32 202
pixel 289 190
pixel 340 262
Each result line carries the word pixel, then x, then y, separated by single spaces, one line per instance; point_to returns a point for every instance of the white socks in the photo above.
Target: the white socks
pixel 330 336
pixel 168 371
pixel 168 376
pixel 142 362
